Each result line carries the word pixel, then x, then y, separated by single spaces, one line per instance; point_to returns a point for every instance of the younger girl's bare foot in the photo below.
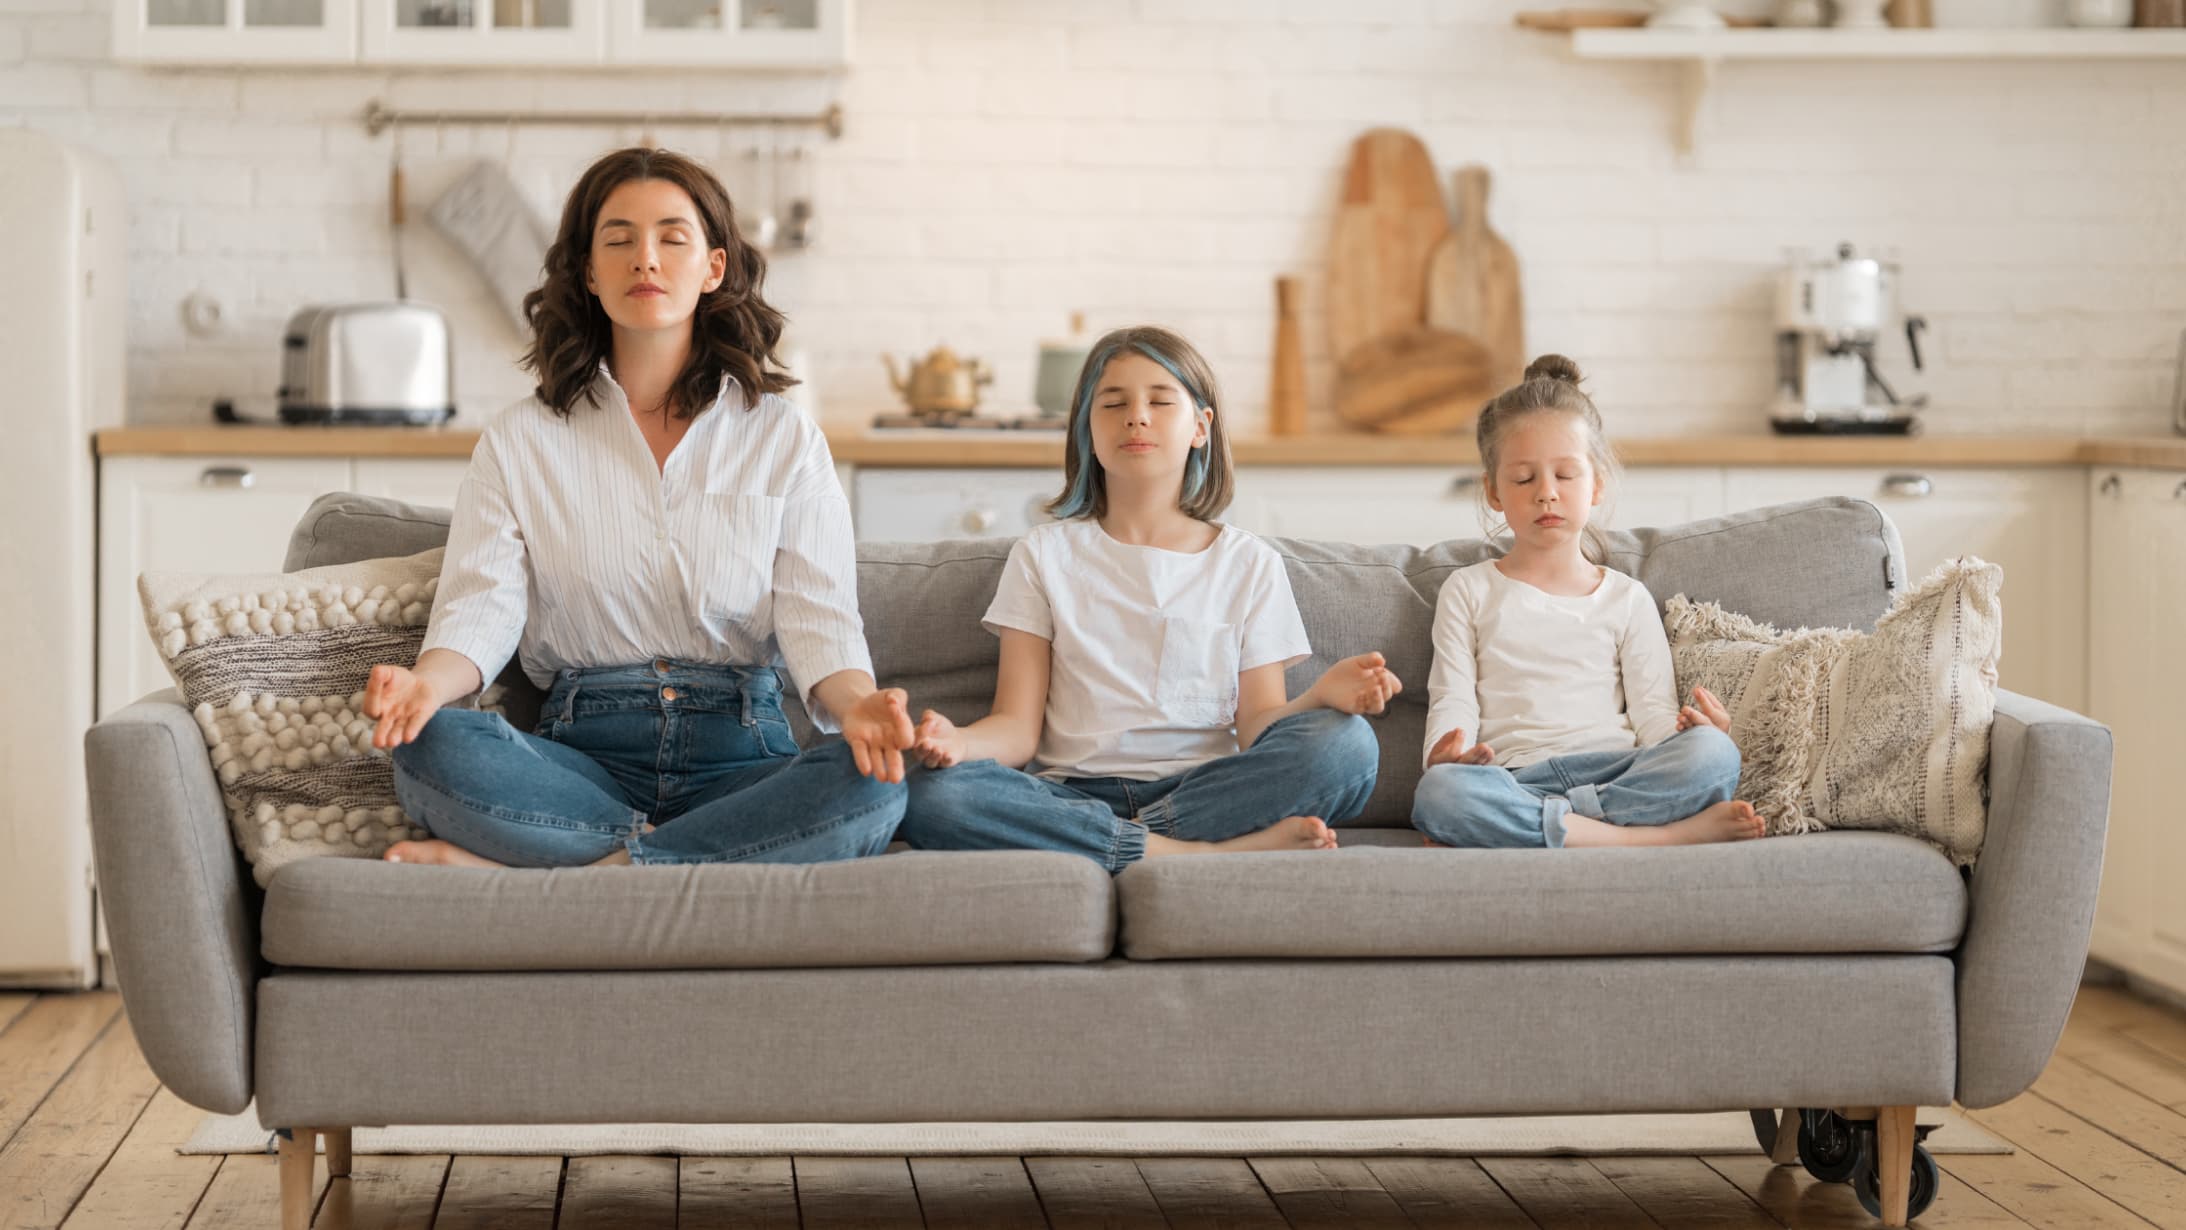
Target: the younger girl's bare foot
pixel 1732 821
pixel 1290 833
pixel 435 852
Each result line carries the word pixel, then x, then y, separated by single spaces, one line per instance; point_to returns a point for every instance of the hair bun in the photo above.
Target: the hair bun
pixel 1554 367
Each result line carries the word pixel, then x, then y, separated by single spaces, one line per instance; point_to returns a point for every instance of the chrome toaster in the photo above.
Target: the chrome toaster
pixel 388 362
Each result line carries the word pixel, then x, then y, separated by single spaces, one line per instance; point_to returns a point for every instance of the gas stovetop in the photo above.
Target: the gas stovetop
pixel 966 422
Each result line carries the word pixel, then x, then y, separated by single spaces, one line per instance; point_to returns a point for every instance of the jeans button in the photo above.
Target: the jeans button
pixel 667 693
pixel 661 665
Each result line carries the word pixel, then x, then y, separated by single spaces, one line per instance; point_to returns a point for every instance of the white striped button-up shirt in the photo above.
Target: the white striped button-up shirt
pixel 571 546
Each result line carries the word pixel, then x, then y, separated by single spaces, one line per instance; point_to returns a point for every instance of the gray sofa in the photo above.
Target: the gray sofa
pixel 1847 970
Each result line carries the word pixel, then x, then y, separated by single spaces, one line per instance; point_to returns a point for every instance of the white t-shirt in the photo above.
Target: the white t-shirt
pixel 1535 675
pixel 1146 644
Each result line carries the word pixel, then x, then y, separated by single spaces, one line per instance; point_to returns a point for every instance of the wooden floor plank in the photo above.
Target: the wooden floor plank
pixel 2147 1125
pixel 1094 1193
pixel 1328 1191
pixel 1445 1193
pixel 1565 1191
pixel 1796 1199
pixel 1683 1191
pixel 1209 1192
pixel 865 1193
pixel 2118 1057
pixel 146 1185
pixel 619 1192
pixel 975 1192
pixel 49 1036
pixel 396 1191
pixel 2096 1160
pixel 500 1193
pixel 12 1005
pixel 754 1193
pixel 53 1157
pixel 246 1194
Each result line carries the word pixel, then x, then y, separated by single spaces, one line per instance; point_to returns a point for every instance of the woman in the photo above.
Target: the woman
pixel 649 527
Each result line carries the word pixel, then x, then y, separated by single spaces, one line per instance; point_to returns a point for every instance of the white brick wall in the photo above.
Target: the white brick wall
pixel 1010 161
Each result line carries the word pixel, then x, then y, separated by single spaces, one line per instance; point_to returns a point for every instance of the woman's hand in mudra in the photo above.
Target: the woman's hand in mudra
pixel 402 701
pixel 878 728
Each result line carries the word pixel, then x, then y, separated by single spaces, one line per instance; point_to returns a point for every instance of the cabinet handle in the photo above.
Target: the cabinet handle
pixel 979 520
pixel 1911 486
pixel 226 476
pixel 2110 486
pixel 1463 484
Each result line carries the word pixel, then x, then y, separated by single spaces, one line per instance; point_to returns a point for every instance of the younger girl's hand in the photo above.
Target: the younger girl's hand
pixel 1705 710
pixel 938 742
pixel 877 729
pixel 401 700
pixel 1451 749
pixel 1362 684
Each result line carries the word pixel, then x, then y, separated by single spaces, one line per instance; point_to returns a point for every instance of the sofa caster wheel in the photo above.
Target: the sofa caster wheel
pixel 1867 1184
pixel 1829 1146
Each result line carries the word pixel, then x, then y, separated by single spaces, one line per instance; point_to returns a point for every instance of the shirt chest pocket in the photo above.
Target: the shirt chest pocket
pixel 732 567
pixel 1196 684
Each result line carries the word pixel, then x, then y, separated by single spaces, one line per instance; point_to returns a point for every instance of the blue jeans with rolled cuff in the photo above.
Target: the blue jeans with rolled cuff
pixel 1490 806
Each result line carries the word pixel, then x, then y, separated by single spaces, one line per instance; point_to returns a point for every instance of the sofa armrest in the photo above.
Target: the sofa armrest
pixel 177 904
pixel 2033 894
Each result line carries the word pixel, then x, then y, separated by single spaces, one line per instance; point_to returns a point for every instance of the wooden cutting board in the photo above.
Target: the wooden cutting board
pixel 1472 283
pixel 1389 217
pixel 1422 382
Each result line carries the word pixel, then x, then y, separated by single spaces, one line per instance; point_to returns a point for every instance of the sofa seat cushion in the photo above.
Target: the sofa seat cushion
pixel 1383 895
pixel 899 909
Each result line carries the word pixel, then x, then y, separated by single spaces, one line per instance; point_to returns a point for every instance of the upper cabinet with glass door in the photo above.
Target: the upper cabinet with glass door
pixel 236 31
pixel 756 33
pixel 485 32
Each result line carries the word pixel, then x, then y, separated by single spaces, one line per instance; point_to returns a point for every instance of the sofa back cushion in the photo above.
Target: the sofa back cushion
pixel 1832 562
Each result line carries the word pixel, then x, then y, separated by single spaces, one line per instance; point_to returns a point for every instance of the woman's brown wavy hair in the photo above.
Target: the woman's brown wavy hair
pixel 733 331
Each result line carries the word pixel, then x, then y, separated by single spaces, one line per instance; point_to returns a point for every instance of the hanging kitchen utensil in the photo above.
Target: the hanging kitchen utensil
pixel 395 214
pixel 764 224
pixel 1472 282
pixel 1389 217
pixel 799 227
pixel 484 215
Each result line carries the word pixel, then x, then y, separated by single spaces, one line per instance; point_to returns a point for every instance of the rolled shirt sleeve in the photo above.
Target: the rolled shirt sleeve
pixel 816 620
pixel 485 581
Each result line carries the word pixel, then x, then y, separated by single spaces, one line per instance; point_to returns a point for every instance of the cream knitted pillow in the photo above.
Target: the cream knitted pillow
pixel 1841 729
pixel 273 667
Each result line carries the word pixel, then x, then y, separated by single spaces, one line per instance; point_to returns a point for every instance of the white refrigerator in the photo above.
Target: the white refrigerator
pixel 63 244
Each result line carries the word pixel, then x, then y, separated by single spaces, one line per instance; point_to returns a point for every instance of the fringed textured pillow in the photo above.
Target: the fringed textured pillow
pixel 274 667
pixel 1838 729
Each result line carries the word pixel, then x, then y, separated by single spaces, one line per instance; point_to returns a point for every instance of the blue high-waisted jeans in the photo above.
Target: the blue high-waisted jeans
pixel 701 751
pixel 1487 805
pixel 1318 763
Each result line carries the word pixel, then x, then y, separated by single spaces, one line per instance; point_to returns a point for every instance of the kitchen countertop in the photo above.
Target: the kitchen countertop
pixel 936 448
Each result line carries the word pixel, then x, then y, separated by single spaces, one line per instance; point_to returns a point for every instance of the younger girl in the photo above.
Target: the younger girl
pixel 1143 644
pixel 1552 708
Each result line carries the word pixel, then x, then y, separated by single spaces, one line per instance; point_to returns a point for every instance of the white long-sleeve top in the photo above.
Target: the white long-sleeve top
pixel 570 544
pixel 1534 675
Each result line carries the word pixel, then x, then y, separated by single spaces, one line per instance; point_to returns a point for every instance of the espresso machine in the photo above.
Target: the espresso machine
pixel 1831 312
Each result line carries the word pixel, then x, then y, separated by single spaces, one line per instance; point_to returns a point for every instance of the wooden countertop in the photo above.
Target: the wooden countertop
pixel 863 447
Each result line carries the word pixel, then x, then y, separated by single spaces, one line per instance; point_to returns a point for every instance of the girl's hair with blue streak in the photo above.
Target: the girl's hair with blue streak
pixel 1207 479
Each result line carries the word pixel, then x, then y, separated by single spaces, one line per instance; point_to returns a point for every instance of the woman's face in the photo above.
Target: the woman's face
pixel 650 261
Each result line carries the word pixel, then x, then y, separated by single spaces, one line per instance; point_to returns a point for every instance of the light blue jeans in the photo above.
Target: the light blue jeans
pixel 1318 763
pixel 701 751
pixel 1486 805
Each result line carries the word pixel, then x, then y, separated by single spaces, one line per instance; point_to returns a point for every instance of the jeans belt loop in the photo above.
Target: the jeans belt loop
pixel 744 693
pixel 569 704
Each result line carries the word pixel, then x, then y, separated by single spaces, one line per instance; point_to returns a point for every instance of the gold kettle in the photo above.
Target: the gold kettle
pixel 941 383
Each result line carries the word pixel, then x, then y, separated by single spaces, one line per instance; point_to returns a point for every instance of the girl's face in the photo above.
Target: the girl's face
pixel 1144 424
pixel 649 261
pixel 1544 482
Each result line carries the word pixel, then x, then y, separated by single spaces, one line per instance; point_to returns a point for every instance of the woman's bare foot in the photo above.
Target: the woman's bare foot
pixel 1289 833
pixel 436 853
pixel 1732 821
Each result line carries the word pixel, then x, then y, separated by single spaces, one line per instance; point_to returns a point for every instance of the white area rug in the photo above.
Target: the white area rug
pixel 1593 1135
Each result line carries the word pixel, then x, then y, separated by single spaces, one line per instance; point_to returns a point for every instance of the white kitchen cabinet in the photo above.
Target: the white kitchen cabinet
pixel 754 33
pixel 1419 505
pixel 235 31
pixel 1656 496
pixel 2137 672
pixel 935 505
pixel 429 481
pixel 483 32
pixel 188 514
pixel 2031 520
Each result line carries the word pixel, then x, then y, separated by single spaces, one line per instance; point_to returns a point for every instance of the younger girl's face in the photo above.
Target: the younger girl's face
pixel 649 261
pixel 1544 483
pixel 1144 424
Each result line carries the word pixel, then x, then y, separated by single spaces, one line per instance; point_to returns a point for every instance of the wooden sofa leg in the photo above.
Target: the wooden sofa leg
pixel 299 1149
pixel 1787 1138
pixel 1894 1139
pixel 337 1153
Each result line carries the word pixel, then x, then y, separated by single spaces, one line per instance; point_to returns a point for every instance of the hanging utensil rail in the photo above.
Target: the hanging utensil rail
pixel 378 118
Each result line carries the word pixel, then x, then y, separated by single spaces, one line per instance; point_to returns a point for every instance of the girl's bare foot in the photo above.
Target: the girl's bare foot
pixel 435 852
pixel 1732 821
pixel 1290 833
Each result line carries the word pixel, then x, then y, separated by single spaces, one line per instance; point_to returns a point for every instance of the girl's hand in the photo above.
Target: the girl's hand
pixel 402 700
pixel 1705 710
pixel 1363 684
pixel 938 742
pixel 1451 749
pixel 877 729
